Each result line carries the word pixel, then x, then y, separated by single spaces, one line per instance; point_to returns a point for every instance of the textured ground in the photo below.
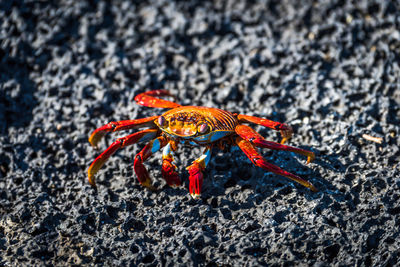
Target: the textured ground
pixel 328 68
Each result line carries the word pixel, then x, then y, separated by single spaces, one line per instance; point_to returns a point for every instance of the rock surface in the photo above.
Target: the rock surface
pixel 328 68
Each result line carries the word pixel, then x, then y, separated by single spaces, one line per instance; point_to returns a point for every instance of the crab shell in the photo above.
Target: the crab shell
pixel 197 125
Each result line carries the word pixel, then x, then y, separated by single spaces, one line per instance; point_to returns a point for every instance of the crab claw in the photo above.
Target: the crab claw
pixel 169 173
pixel 142 173
pixel 140 170
pixel 195 179
pixel 168 168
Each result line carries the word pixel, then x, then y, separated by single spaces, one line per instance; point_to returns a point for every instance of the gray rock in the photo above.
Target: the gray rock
pixel 329 69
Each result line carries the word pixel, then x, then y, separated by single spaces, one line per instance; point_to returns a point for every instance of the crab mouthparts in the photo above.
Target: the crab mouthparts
pixel 183 131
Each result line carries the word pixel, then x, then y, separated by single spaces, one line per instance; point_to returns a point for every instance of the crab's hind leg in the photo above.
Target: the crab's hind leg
pixel 255 138
pixel 151 99
pixel 140 170
pixel 168 168
pixel 258 160
pixel 285 129
pixel 115 126
pixel 138 137
pixel 196 172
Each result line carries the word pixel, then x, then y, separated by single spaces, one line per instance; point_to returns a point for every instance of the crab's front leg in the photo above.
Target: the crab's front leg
pixel 168 168
pixel 140 170
pixel 196 172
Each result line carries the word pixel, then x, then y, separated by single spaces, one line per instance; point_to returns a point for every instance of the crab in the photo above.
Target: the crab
pixel 197 126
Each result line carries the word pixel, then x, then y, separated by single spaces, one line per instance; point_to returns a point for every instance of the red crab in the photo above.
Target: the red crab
pixel 198 126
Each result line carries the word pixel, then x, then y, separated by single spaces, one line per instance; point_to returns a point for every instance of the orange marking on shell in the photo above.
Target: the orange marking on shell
pixel 191 116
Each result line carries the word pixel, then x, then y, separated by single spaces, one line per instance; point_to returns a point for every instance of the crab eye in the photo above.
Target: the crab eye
pixel 162 121
pixel 203 128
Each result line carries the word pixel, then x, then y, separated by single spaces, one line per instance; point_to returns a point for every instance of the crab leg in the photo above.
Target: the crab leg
pixel 196 172
pixel 168 168
pixel 258 160
pixel 141 172
pixel 285 129
pixel 138 137
pixel 115 126
pixel 255 138
pixel 150 99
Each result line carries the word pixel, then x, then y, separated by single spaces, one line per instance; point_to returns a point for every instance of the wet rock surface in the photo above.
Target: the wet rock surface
pixel 329 69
